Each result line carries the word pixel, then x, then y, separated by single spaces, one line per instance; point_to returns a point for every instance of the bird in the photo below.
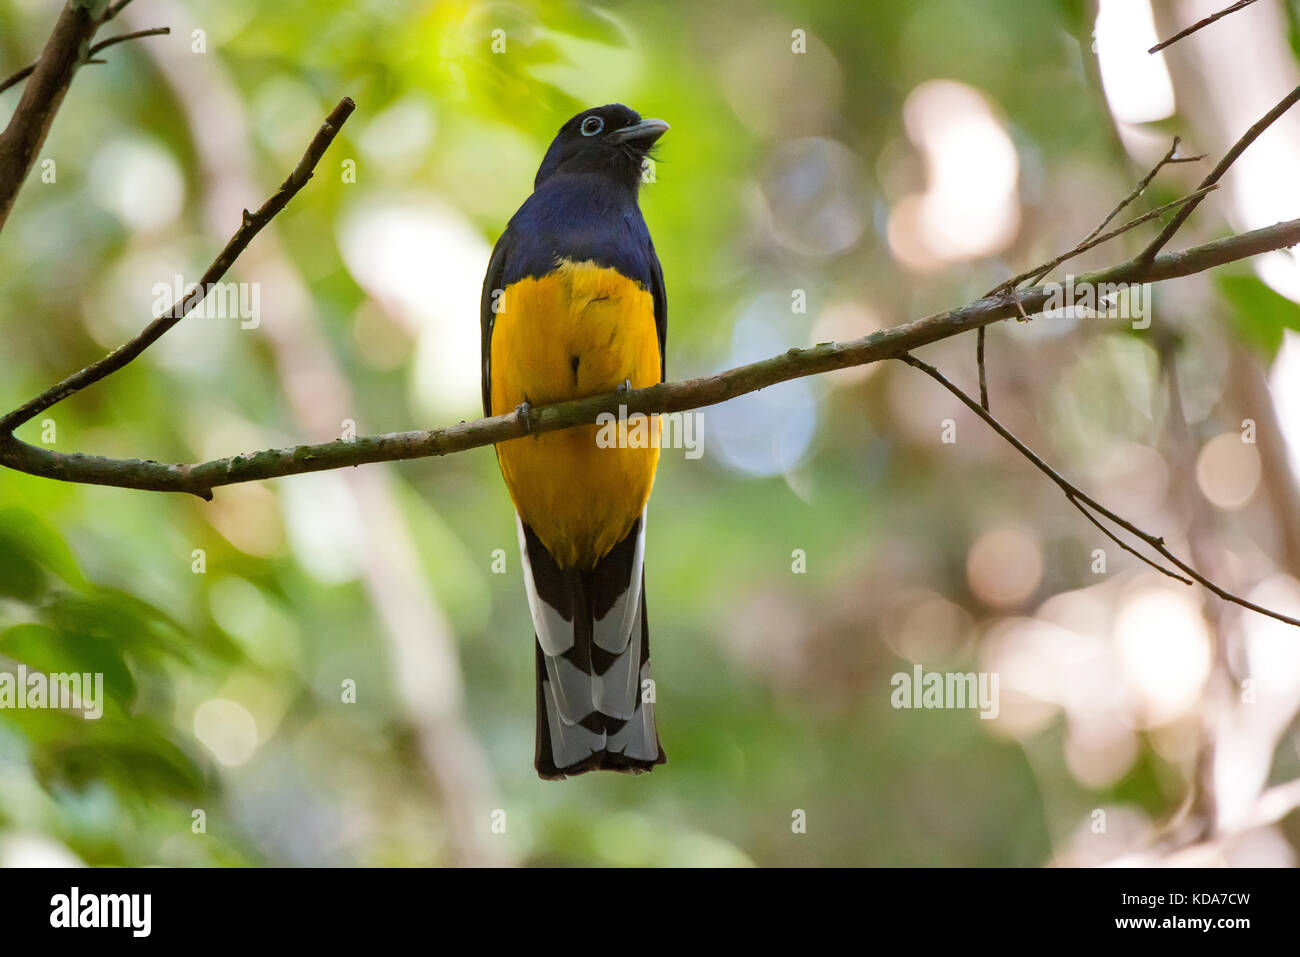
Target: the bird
pixel 574 305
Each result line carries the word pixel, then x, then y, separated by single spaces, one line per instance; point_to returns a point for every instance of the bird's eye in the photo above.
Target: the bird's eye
pixel 592 125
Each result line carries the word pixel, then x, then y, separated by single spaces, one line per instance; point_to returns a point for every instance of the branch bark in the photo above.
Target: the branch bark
pixel 27 71
pixel 1252 134
pixel 252 224
pixel 1087 505
pixel 1200 24
pixel 50 79
pixel 200 479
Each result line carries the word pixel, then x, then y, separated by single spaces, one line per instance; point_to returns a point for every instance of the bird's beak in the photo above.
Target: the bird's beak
pixel 647 131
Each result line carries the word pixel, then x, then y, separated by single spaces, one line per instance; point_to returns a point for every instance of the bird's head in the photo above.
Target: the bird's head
pixel 607 140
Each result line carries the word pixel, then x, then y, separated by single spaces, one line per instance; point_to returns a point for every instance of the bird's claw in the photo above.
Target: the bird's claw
pixel 625 387
pixel 525 412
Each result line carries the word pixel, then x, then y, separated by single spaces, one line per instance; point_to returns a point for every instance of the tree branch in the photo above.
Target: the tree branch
pixel 23 137
pixel 27 71
pixel 200 479
pixel 1078 498
pixel 1216 174
pixel 1200 24
pixel 251 225
pixel 1169 159
pixel 1038 272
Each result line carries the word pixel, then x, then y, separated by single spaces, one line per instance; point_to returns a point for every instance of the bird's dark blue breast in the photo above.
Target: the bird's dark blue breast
pixel 580 219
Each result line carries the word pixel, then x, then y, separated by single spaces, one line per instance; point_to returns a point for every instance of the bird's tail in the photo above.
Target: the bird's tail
pixel 595 697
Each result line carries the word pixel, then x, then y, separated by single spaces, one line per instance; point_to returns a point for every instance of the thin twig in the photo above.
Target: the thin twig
pixel 133 35
pixel 1077 496
pixel 979 361
pixel 1216 174
pixel 1200 24
pixel 22 138
pixel 1168 159
pixel 1094 240
pixel 1036 274
pixel 1123 544
pixel 26 71
pixel 250 226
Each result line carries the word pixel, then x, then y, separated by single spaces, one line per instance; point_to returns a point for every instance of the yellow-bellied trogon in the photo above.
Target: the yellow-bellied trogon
pixel 573 305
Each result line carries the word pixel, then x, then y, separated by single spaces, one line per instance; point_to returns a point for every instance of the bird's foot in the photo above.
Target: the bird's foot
pixel 525 412
pixel 625 387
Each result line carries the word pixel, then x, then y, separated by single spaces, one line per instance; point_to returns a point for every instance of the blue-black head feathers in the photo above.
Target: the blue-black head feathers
pixel 611 141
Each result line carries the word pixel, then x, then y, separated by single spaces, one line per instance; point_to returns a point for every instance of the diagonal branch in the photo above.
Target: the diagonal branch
pixel 1094 240
pixel 1038 272
pixel 251 225
pixel 27 71
pixel 979 361
pixel 1078 498
pixel 1187 207
pixel 1084 511
pixel 1200 24
pixel 1169 159
pixel 1252 134
pixel 27 129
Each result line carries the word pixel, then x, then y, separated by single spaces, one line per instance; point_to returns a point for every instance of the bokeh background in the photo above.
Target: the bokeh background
pixel 916 154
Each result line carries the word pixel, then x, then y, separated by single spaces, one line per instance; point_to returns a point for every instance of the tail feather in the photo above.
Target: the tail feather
pixel 637 739
pixel 595 710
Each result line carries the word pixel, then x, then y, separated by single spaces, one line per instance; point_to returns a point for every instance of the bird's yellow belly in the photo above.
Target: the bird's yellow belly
pixel 581 330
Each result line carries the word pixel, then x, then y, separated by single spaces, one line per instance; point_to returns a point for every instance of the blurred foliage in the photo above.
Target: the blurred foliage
pixel 774 687
pixel 1261 315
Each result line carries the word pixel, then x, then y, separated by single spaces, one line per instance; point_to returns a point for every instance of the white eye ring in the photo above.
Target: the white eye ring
pixel 591 126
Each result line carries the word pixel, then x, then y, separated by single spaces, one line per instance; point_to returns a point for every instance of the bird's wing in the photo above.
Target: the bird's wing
pixel 493 286
pixel 660 296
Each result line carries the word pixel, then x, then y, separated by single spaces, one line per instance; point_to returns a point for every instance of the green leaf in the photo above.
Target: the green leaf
pixel 48 650
pixel 118 617
pixel 1259 314
pixel 20 577
pixel 133 757
pixel 25 533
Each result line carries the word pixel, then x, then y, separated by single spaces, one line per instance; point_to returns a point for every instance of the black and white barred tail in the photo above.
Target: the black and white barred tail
pixel 595 698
